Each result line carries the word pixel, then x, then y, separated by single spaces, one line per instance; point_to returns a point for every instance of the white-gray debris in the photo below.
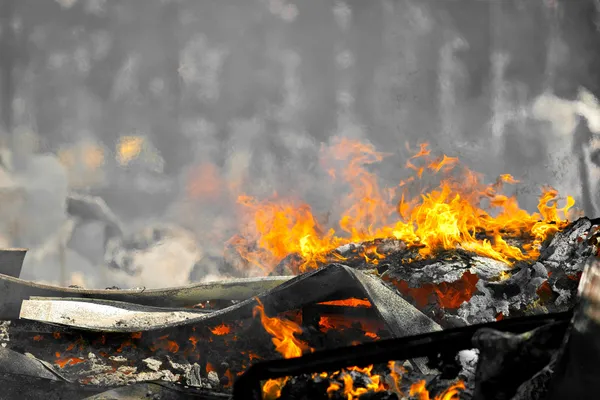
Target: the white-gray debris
pixel 480 308
pixel 183 368
pixel 444 271
pixel 468 361
pixel 564 252
pixel 564 295
pixel 540 270
pixel 164 375
pixel 152 363
pixel 487 268
pixel 193 378
pixel 117 359
pixel 347 247
pixel 213 379
pixel 4 336
pixel 127 370
pixel 391 246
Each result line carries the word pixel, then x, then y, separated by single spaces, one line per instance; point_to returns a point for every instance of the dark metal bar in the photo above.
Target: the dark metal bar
pixel 248 386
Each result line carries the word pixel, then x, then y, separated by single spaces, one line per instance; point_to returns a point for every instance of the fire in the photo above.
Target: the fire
pixel 339 322
pixel 452 393
pixel 129 148
pixel 164 344
pixel 221 330
pixel 348 303
pixel 375 382
pixel 272 388
pixel 448 295
pixel 63 362
pixel 461 211
pixel 341 381
pixel 283 332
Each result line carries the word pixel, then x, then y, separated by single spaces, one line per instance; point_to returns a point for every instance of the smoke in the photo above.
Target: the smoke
pixel 252 99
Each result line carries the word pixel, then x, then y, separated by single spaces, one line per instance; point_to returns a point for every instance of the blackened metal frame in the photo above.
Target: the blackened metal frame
pixel 248 385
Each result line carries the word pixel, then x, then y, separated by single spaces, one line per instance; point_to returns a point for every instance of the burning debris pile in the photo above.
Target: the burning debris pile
pixel 450 301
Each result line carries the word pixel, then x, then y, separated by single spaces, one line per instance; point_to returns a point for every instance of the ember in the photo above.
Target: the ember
pixel 349 303
pixel 221 330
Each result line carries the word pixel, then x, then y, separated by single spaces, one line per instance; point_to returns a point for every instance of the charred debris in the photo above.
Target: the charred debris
pixel 456 325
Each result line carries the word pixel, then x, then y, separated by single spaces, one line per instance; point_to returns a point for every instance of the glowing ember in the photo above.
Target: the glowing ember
pixel 460 212
pixel 448 295
pixel 63 362
pixel 348 303
pixel 221 330
pixel 339 322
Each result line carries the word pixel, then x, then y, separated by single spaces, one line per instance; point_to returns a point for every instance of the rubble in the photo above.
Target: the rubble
pixel 400 298
pixel 152 363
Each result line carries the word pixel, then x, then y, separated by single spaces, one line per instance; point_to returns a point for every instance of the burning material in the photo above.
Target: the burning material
pixel 393 267
pixel 461 212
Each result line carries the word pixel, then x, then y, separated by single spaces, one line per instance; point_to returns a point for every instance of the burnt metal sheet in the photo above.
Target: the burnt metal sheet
pixel 13 291
pixel 11 261
pixel 399 316
pixel 157 390
pixel 12 362
pixel 92 313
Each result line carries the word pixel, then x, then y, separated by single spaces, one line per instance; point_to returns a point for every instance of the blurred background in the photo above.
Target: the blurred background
pixel 128 127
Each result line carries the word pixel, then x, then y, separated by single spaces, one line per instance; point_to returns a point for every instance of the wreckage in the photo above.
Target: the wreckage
pixel 449 302
pixel 408 331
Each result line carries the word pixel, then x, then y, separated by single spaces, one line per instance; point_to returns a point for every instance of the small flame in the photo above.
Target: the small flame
pixel 129 148
pixel 283 332
pixel 338 322
pixel 374 383
pixel 221 330
pixel 419 390
pixel 272 388
pixel 352 302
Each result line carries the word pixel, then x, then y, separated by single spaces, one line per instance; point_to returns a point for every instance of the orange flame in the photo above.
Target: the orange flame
pixel 375 383
pixel 221 330
pixel 452 393
pixel 460 212
pixel 283 332
pixel 348 303
pixel 272 388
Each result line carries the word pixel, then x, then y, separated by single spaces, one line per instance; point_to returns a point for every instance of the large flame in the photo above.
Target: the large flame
pixel 461 211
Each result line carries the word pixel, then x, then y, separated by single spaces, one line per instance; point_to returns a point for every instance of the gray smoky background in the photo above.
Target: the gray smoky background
pixel 129 127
